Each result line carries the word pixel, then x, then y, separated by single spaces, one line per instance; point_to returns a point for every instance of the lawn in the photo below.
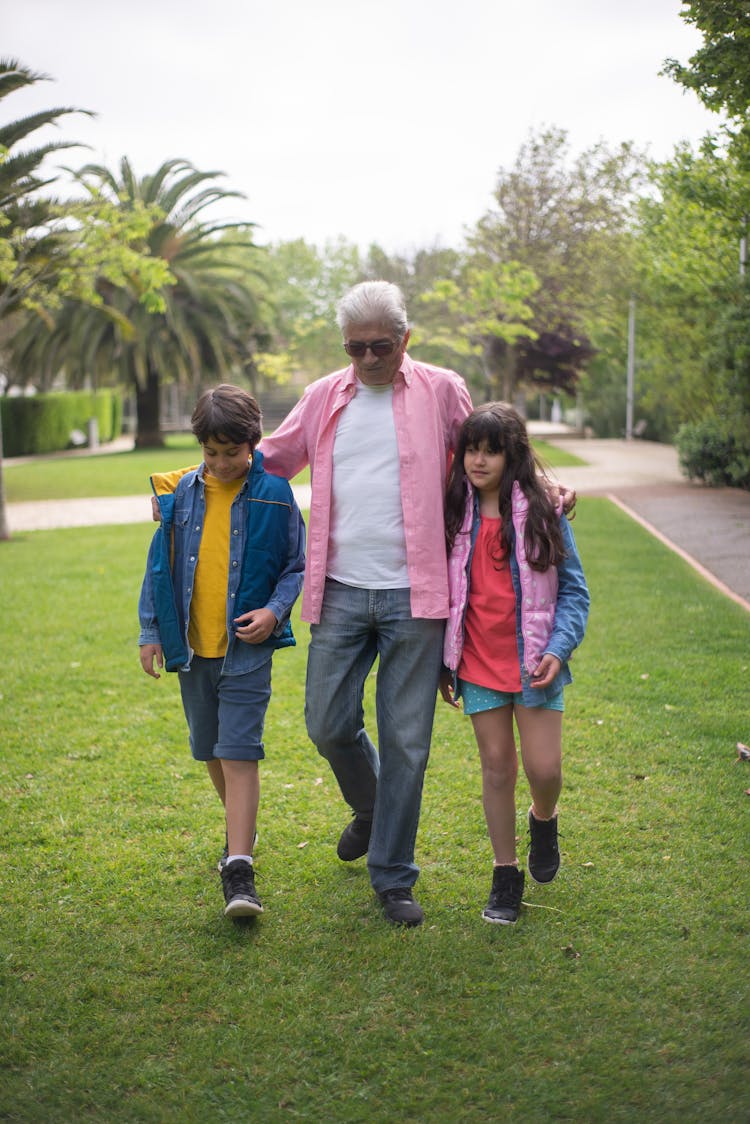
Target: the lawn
pixel 127 474
pixel 620 995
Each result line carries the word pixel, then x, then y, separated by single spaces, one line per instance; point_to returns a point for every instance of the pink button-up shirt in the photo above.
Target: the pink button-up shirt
pixel 429 405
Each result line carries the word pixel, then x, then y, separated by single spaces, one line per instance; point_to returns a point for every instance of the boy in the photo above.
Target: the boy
pixel 224 570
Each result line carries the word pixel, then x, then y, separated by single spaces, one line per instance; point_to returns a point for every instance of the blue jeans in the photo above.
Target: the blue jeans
pixel 356 626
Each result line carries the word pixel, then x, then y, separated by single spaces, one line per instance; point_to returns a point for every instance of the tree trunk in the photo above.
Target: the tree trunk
pixel 4 528
pixel 148 433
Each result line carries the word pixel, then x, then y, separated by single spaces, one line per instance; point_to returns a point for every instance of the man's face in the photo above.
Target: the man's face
pixel 371 369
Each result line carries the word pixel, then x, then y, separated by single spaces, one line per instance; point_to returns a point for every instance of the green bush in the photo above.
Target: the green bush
pixel 44 423
pixel 716 450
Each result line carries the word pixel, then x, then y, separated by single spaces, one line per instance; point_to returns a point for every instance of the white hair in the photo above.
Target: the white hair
pixel 373 302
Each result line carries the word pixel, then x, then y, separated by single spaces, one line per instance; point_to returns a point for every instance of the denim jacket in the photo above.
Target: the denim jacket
pixel 270 570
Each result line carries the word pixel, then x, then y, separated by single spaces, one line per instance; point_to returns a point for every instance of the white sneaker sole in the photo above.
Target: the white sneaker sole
pixel 241 907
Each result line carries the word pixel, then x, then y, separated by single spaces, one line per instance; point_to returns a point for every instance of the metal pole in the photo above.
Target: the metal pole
pixel 631 371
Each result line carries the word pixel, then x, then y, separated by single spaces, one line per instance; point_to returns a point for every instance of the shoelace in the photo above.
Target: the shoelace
pixel 399 894
pixel 241 878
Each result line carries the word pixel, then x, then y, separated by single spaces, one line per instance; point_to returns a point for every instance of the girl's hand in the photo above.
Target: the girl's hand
pixel 149 654
pixel 547 668
pixel 256 626
pixel 446 687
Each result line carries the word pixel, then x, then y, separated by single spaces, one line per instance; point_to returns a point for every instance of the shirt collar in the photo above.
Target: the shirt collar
pixel 405 372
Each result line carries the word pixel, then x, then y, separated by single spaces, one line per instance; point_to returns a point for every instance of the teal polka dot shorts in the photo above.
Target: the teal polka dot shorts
pixel 477 699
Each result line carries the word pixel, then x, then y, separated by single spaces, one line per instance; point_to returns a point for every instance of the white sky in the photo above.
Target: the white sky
pixel 380 120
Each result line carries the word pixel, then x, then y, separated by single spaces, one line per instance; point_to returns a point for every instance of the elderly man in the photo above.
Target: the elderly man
pixel 377 436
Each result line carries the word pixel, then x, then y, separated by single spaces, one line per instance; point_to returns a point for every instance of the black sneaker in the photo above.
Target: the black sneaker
pixel 238 880
pixel 504 902
pixel 399 906
pixel 544 854
pixel 225 854
pixel 355 839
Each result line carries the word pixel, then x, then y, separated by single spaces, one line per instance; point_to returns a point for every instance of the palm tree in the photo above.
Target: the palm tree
pixel 29 250
pixel 210 325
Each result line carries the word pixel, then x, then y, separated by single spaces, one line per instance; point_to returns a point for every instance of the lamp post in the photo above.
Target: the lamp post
pixel 631 371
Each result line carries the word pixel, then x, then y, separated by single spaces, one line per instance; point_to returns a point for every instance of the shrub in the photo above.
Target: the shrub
pixel 43 423
pixel 716 450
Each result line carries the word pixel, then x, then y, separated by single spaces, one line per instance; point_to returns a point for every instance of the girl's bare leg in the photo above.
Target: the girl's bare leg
pixel 541 752
pixel 493 730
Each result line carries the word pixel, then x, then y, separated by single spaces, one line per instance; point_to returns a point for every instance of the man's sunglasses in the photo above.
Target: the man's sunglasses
pixel 380 348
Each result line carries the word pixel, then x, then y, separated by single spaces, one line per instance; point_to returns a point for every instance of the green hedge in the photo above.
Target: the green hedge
pixel 44 423
pixel 716 450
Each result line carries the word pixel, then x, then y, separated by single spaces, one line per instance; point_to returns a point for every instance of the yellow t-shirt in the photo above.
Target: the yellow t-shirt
pixel 207 630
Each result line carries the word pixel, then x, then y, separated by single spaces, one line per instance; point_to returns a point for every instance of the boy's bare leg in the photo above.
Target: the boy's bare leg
pixel 242 796
pixel 216 773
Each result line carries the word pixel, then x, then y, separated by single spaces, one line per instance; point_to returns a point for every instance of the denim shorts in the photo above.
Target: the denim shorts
pixel 225 713
pixel 477 699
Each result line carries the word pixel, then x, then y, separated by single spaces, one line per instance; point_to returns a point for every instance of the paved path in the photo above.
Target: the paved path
pixel 710 527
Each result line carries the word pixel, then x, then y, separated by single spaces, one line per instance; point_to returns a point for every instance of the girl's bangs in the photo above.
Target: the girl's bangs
pixel 484 428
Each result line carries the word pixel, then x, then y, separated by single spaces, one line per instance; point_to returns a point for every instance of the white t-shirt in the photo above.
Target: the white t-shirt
pixel 366 545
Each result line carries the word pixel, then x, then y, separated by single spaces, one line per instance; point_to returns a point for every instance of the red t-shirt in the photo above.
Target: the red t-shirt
pixel 490 655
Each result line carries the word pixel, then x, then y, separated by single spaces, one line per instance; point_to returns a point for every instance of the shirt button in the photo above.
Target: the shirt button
pixel 235 531
pixel 192 558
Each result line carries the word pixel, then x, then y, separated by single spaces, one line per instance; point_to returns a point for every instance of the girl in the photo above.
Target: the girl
pixel 519 605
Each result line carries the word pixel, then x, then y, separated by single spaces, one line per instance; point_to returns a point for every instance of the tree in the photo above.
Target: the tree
pixel 687 275
pixel 719 71
pixel 49 250
pixel 210 324
pixel 569 221
pixel 303 285
pixel 483 314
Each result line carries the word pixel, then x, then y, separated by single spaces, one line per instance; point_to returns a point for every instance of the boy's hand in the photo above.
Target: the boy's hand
pixel 256 626
pixel 149 654
pixel 546 670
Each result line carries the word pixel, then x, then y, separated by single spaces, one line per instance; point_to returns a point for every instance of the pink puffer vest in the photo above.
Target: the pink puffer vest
pixel 538 589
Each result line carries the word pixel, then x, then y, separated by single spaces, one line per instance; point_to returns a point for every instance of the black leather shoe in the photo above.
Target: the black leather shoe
pixel 399 906
pixel 355 839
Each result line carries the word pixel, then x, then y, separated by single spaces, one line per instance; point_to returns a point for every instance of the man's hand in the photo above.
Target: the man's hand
pixel 446 687
pixel 150 654
pixel 256 626
pixel 568 497
pixel 546 670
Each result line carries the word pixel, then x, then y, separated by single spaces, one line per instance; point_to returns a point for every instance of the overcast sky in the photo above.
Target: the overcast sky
pixel 380 120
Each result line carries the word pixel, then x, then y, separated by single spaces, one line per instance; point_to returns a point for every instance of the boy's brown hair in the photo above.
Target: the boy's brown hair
pixel 227 413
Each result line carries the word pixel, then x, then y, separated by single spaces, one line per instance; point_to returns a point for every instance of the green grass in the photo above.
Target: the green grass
pixel 620 995
pixel 127 474
pixel 106 474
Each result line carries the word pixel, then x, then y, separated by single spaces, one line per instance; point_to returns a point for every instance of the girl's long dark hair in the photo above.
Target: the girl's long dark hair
pixel 503 430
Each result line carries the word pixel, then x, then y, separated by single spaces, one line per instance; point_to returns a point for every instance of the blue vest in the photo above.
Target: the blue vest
pixel 269 500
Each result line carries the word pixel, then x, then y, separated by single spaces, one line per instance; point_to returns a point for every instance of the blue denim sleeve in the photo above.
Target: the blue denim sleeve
pixel 149 633
pixel 289 584
pixel 572 608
